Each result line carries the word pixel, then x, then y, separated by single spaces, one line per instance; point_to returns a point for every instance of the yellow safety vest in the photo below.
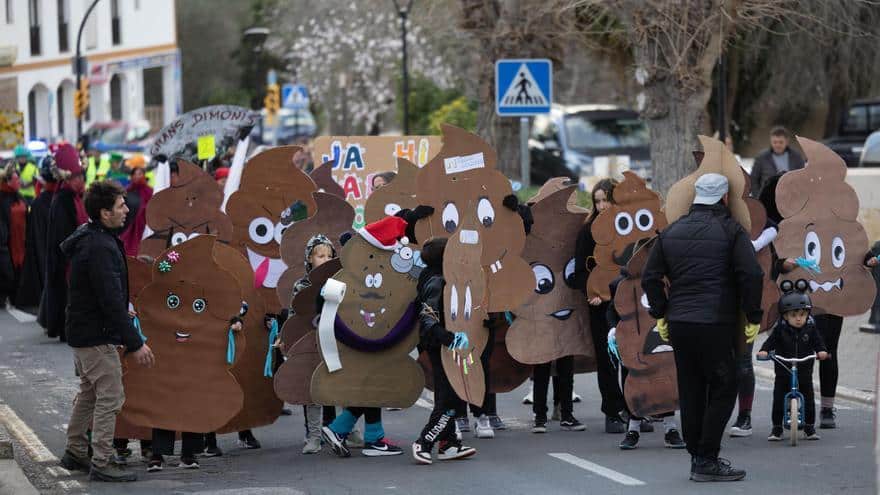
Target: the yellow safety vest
pixel 28 174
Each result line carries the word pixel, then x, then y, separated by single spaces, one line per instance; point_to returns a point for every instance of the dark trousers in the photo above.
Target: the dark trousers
pixel 488 408
pixel 441 424
pixel 190 443
pixel 782 385
pixel 563 383
pixel 370 414
pixel 829 327
pixel 704 359
pixel 612 397
pixel 745 374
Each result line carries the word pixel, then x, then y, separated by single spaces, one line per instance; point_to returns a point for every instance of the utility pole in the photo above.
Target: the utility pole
pixel 79 62
pixel 403 13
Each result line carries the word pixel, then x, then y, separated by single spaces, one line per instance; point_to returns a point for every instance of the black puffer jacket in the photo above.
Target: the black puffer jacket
pixel 432 334
pixel 97 298
pixel 791 342
pixel 711 267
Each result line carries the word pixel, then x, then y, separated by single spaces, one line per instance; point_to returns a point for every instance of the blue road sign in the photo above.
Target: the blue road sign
pixel 523 87
pixel 294 96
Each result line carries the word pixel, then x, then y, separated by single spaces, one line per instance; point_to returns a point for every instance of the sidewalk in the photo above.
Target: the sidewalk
pixel 857 355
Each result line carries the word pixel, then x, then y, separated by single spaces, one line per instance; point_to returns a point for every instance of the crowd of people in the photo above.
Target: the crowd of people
pixel 68 221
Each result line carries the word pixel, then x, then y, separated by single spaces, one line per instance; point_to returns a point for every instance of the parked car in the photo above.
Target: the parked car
pixel 861 119
pixel 117 135
pixel 565 142
pixel 291 125
pixel 870 156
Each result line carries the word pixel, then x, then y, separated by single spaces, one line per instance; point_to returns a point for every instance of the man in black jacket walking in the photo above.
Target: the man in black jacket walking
pixel 709 262
pixel 98 321
pixel 776 160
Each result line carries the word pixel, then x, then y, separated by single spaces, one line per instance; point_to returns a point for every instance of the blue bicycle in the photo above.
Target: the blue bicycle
pixel 794 413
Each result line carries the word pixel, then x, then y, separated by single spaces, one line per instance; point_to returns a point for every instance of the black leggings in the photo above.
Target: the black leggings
pixel 440 426
pixel 612 399
pixel 563 383
pixel 745 374
pixel 190 443
pixel 829 327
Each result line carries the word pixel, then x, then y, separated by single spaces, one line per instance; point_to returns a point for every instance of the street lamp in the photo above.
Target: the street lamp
pixel 254 37
pixel 79 62
pixel 403 13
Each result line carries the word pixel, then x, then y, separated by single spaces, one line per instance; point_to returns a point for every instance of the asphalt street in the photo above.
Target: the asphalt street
pixel 37 386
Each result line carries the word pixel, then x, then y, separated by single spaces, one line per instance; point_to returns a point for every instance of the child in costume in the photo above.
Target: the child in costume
pixel 794 336
pixel 432 336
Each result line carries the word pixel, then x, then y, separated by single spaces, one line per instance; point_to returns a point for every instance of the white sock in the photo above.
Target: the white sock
pixel 635 424
pixel 670 424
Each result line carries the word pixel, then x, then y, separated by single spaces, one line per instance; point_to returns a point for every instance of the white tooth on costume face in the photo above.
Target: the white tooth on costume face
pixel 382 312
pixel 825 286
pixel 469 236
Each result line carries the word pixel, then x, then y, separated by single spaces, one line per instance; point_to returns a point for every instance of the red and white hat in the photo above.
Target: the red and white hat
pixel 388 233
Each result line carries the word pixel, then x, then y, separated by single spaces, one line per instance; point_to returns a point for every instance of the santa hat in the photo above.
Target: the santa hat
pixel 67 161
pixel 388 233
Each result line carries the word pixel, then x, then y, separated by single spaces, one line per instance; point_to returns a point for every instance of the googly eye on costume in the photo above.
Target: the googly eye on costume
pixel 262 230
pixel 199 305
pixel 172 301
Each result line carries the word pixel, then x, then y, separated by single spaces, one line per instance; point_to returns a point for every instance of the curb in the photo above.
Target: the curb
pixel 846 393
pixel 5 444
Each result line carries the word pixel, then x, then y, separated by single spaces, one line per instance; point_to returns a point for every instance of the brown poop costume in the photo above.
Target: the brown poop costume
pixel 819 211
pixel 462 185
pixel 634 215
pixel 770 292
pixel 300 340
pixel 554 321
pixel 271 186
pixel 464 304
pixel 399 194
pixel 184 314
pixel 189 208
pixel 323 178
pixel 374 334
pixel 651 386
pixel 261 407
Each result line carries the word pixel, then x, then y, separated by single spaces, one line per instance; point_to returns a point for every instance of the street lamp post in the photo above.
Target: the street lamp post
pixel 403 13
pixel 79 62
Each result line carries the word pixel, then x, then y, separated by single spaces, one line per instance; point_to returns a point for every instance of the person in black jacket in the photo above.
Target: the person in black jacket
pixel 33 273
pixel 432 337
pixel 713 275
pixel 776 160
pixel 794 336
pixel 98 321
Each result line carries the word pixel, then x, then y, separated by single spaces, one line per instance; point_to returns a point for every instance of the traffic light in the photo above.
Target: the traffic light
pixel 272 101
pixel 81 98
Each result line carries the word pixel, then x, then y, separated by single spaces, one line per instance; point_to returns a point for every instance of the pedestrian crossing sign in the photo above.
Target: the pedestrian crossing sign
pixel 523 87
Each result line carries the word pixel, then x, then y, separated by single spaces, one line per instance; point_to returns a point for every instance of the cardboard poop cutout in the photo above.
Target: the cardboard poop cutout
pixel 322 175
pixel 717 159
pixel 188 208
pixel 365 348
pixel 650 386
pixel 635 215
pixel 770 291
pixel 261 406
pixel 299 340
pixel 332 218
pixel 398 195
pixel 273 194
pixel 465 301
pixel 184 314
pixel 461 184
pixel 554 321
pixel 819 226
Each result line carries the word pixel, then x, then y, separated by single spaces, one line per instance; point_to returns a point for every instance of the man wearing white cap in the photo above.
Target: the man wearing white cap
pixel 709 262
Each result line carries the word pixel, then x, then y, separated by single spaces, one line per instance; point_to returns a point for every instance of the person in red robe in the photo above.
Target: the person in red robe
pixel 13 220
pixel 139 195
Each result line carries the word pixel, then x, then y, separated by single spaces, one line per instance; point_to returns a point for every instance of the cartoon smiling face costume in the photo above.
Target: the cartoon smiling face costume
pixel 189 208
pixel 467 194
pixel 554 321
pixel 372 333
pixel 635 215
pixel 184 314
pixel 819 226
pixel 273 192
pixel 651 386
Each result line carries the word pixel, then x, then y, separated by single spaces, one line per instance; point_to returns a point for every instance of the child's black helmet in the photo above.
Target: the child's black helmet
pixel 795 296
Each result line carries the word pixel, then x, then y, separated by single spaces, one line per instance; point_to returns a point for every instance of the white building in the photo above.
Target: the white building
pixel 133 62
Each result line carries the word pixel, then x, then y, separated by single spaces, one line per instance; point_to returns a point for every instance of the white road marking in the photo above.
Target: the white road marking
pixel 597 469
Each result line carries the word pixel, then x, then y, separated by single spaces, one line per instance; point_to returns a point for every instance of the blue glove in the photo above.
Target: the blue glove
pixel 460 341
pixel 612 343
pixel 808 265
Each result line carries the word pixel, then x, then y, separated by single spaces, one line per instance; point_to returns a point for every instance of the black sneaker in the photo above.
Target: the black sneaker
pixel 742 427
pixel 155 465
pixel 828 419
pixel 496 423
pixel 337 443
pixel 572 424
pixel 248 440
pixel 421 452
pixel 111 472
pixel 188 463
pixel 630 441
pixel 775 434
pixel 614 424
pixel 716 470
pixel 540 425
pixel 286 412
pixel 212 451
pixel 810 433
pixel 646 426
pixel 71 462
pixel 381 448
pixel 673 440
pixel 454 450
